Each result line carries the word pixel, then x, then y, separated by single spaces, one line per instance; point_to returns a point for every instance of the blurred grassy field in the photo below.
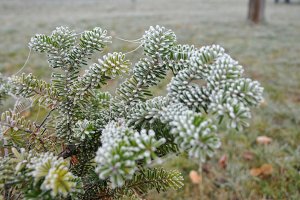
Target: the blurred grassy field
pixel 270 53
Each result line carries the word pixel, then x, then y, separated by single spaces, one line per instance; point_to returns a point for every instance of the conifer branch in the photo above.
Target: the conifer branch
pixel 101 146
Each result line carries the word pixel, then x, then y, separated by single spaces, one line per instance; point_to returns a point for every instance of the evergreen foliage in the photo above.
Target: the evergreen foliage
pixel 96 145
pixel 3 89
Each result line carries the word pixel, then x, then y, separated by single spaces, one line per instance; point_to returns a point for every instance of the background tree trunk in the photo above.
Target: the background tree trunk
pixel 256 11
pixel 286 1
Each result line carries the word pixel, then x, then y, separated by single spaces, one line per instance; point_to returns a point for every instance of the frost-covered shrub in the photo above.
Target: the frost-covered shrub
pixel 96 145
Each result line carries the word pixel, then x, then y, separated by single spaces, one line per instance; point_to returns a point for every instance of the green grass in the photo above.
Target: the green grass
pixel 269 53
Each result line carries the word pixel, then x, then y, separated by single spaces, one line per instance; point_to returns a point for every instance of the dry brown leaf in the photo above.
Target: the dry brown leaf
pixel 255 171
pixel 263 103
pixel 264 170
pixel 195 177
pixel 248 155
pixel 263 140
pixel 223 162
pixel 267 169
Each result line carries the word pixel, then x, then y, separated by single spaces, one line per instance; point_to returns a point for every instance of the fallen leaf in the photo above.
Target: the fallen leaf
pixel 223 162
pixel 263 103
pixel 248 155
pixel 267 169
pixel 255 171
pixel 263 140
pixel 195 177
pixel 264 170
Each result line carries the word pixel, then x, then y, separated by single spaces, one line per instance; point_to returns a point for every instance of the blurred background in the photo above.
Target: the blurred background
pixel 247 166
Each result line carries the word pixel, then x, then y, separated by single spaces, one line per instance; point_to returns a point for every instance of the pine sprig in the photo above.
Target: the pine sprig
pixel 111 66
pixel 157 42
pixel 149 72
pixel 90 41
pixel 16 121
pixel 121 149
pixel 28 86
pixel 148 179
pixel 128 94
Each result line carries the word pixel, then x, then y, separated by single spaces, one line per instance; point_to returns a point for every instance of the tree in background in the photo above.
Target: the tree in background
pixel 256 11
pixel 286 1
pixel 95 145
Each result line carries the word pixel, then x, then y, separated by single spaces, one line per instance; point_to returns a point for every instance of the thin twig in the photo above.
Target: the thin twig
pixel 45 119
pixel 10 126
